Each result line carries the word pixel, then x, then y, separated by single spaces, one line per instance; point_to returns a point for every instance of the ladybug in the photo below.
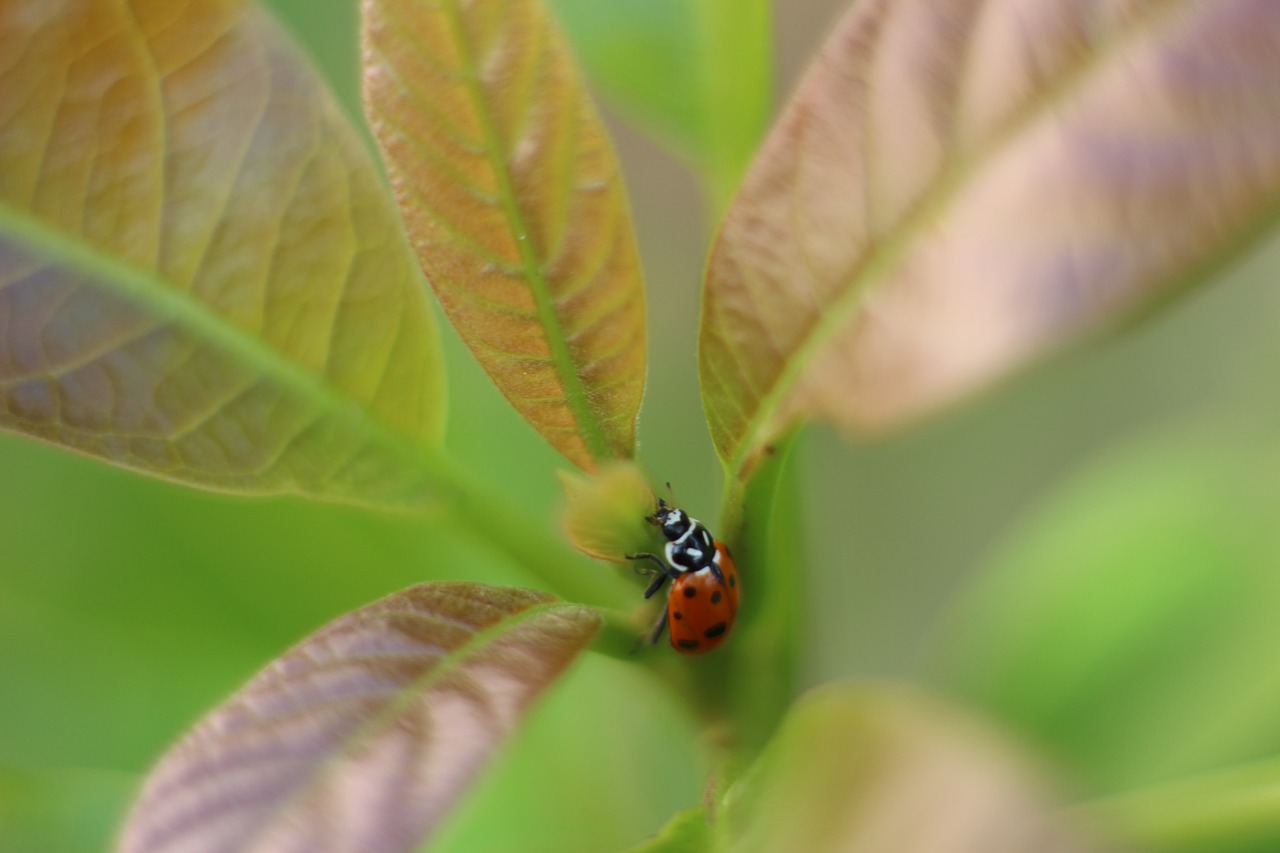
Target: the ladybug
pixel 703 599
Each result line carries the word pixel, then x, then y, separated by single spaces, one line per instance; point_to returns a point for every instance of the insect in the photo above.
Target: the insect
pixel 703 599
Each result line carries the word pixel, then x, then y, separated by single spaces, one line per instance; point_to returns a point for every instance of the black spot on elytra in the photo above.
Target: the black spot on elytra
pixel 715 597
pixel 688 644
pixel 733 580
pixel 716 630
pixel 677 615
pixel 690 591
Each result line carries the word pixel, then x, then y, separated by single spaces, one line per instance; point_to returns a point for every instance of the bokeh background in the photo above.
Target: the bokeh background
pixel 1094 534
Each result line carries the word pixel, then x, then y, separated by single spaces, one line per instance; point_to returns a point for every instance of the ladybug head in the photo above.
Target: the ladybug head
pixel 674 522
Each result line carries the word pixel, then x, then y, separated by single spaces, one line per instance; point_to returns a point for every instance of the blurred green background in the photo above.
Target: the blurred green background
pixel 1087 553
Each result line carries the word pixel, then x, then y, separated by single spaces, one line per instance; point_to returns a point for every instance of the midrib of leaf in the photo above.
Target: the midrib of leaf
pixel 143 288
pixel 894 247
pixel 405 697
pixel 575 392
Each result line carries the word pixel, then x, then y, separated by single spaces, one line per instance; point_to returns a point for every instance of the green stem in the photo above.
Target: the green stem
pixel 766 680
pixel 732 507
pixel 1233 809
pixel 754 675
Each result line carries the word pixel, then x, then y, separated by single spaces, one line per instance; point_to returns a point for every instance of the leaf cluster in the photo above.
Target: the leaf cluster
pixel 207 277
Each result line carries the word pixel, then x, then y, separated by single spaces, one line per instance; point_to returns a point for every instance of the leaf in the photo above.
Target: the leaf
pixel 1126 627
pixel 959 187
pixel 697 75
pixel 363 735
pixel 201 276
pixel 1236 810
pixel 512 198
pixel 686 833
pixel 855 769
pixel 605 514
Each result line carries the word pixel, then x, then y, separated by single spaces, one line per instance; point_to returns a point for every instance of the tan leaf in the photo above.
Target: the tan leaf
pixel 364 734
pixel 513 202
pixel 201 276
pixel 860 770
pixel 959 186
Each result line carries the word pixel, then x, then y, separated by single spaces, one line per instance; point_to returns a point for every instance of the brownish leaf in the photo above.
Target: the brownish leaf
pixel 513 201
pixel 364 734
pixel 959 186
pixel 201 275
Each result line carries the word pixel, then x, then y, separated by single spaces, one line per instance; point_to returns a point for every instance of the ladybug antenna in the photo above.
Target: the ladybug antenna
pixel 653 519
pixel 671 492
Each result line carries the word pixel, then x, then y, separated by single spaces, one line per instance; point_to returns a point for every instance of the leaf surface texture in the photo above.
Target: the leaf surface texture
pixel 201 276
pixel 511 194
pixel 960 186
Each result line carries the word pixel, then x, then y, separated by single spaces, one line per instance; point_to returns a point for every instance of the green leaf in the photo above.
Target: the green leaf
pixel 1236 810
pixel 697 75
pixel 69 811
pixel 1128 625
pixel 959 188
pixel 363 735
pixel 511 194
pixel 687 832
pixel 201 274
pixel 880 770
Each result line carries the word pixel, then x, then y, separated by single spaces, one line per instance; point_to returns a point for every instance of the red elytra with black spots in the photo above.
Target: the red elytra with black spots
pixel 701 607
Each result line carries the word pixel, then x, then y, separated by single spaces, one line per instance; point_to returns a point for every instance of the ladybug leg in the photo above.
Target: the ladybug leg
pixel 664 572
pixel 655 586
pixel 657 561
pixel 658 628
pixel 714 565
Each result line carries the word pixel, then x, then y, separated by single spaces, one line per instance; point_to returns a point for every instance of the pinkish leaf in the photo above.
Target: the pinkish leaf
pixel 363 735
pixel 959 187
